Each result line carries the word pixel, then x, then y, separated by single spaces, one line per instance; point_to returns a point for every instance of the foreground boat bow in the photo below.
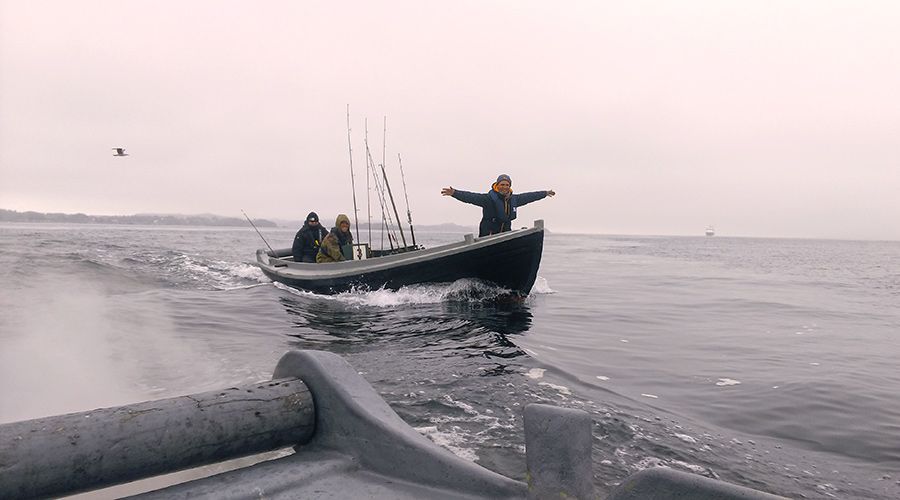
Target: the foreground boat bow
pixel 509 259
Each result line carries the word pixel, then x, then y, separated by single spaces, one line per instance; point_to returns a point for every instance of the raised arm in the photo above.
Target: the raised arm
pixel 526 198
pixel 479 199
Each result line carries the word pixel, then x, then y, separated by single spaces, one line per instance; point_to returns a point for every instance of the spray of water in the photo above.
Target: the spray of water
pixel 71 344
pixel 464 290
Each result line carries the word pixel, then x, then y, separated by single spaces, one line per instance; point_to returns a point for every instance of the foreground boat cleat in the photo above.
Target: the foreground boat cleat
pixel 347 443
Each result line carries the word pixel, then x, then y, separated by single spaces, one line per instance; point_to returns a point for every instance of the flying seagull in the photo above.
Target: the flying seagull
pixel 119 152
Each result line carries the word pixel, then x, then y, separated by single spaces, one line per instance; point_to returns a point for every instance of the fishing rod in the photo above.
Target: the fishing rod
pixel 369 192
pixel 408 213
pixel 370 166
pixel 388 184
pixel 386 219
pixel 259 233
pixel 382 185
pixel 352 179
pixel 383 149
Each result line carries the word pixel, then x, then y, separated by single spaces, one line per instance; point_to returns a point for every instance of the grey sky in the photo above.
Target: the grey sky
pixel 764 118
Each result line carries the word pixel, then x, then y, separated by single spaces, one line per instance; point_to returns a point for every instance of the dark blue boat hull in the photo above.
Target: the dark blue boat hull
pixel 512 264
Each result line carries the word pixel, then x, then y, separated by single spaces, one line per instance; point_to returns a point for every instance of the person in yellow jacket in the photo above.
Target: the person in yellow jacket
pixel 338 245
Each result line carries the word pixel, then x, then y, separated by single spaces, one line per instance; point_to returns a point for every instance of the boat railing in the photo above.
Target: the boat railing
pixel 83 451
pixel 285 253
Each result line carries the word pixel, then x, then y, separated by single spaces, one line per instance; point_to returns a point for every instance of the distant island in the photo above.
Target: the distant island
pixel 137 219
pixel 187 220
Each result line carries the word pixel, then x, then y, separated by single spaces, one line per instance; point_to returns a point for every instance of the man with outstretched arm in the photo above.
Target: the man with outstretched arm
pixel 498 205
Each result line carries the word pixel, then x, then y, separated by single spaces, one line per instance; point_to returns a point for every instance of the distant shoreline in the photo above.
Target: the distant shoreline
pixel 207 220
pixel 134 220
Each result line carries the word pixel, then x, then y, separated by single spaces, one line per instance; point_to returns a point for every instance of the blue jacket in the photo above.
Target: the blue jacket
pixel 497 213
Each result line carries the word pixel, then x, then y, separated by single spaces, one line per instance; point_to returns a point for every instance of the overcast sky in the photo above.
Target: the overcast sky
pixel 762 118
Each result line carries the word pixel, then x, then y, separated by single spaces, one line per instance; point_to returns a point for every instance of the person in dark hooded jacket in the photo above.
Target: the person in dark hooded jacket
pixel 308 239
pixel 338 245
pixel 498 205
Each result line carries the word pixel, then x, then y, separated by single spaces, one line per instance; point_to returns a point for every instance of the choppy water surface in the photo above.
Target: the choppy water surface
pixel 768 363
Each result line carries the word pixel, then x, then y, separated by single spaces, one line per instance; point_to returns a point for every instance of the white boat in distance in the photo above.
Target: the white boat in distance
pixel 710 231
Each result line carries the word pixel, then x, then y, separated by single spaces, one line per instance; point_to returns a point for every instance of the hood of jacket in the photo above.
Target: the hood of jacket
pixel 341 218
pixel 344 238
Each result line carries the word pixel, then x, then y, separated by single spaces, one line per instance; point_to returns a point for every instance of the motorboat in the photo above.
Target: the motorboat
pixel 509 260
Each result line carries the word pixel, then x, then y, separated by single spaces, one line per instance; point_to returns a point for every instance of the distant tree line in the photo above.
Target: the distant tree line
pixel 137 219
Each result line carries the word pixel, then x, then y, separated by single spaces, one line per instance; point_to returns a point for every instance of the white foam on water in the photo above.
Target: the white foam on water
pixel 623 340
pixel 601 377
pixel 686 438
pixel 814 364
pixel 301 293
pixel 451 440
pixel 652 462
pixel 535 373
pixel 62 357
pixel 221 273
pixel 649 463
pixel 465 290
pixel 459 404
pixel 247 271
pixel 727 381
pixel 541 287
pixel 559 388
pixel 827 489
pixel 462 434
pixel 189 264
pixel 378 298
pixel 485 423
pixel 393 298
pixel 652 396
pixel 696 469
pixel 89 349
pixel 244 287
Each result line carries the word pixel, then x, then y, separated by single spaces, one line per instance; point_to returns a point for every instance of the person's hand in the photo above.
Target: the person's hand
pixel 551 193
pixel 448 191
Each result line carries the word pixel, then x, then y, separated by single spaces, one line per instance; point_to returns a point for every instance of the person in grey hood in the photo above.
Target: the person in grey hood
pixel 308 239
pixel 498 206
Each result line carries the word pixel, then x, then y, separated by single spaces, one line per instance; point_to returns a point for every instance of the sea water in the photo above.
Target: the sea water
pixel 769 363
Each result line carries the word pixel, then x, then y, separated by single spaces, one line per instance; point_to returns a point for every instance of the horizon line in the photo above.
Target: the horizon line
pixel 473 226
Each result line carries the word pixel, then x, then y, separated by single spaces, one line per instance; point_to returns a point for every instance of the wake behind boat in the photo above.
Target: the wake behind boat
pixel 510 260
